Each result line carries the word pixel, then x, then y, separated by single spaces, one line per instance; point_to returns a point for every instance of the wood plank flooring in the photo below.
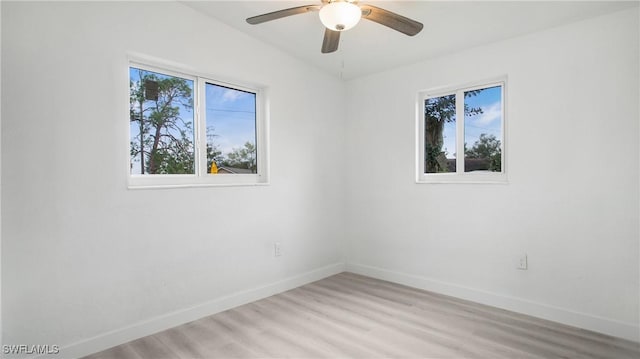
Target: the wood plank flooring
pixel 351 316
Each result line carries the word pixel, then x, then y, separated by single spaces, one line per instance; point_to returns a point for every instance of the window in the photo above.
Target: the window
pixel 461 134
pixel 190 130
pixel 231 130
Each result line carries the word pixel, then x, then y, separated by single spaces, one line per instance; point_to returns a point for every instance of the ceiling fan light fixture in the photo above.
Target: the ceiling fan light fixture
pixel 340 15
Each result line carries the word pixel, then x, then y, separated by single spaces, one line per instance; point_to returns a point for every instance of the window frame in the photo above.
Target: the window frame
pixel 459 176
pixel 201 178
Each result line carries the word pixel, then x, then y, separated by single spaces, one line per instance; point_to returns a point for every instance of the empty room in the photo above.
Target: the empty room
pixel 283 179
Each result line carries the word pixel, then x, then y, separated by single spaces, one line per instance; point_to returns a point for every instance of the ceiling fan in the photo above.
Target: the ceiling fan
pixel 342 15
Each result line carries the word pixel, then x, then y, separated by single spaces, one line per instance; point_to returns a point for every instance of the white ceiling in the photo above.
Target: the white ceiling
pixel 449 26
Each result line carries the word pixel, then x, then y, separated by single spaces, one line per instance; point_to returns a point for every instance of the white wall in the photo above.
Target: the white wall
pixel 572 199
pixel 1 341
pixel 82 268
pixel 84 258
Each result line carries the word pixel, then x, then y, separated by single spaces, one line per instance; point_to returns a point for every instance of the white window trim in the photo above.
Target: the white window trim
pixel 459 176
pixel 201 178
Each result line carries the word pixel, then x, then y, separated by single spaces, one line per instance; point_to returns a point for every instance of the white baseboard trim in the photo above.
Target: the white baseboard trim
pixel 179 317
pixel 629 331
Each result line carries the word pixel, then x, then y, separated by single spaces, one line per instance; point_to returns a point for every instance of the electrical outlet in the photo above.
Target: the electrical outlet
pixel 523 262
pixel 277 249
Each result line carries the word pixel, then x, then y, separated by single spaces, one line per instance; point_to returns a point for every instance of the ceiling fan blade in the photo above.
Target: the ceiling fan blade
pixel 331 41
pixel 282 13
pixel 391 19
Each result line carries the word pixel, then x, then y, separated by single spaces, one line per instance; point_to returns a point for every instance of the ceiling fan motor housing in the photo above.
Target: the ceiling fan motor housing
pixel 340 15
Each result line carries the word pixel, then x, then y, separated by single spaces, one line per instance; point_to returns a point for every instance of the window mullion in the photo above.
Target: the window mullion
pixel 420 140
pixel 200 150
pixel 460 132
pixel 503 128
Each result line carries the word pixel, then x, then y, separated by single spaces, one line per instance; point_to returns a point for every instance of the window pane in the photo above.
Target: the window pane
pixel 483 130
pixel 161 123
pixel 440 134
pixel 231 130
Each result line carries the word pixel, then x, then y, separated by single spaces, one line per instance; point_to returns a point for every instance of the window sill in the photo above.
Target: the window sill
pixel 472 178
pixel 189 181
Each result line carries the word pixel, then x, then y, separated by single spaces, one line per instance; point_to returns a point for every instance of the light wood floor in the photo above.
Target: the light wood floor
pixel 351 316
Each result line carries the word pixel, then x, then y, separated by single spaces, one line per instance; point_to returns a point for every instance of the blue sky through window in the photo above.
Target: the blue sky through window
pixel 230 117
pixel 488 122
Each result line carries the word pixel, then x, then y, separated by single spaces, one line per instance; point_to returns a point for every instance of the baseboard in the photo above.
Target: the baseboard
pixel 606 326
pixel 170 320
